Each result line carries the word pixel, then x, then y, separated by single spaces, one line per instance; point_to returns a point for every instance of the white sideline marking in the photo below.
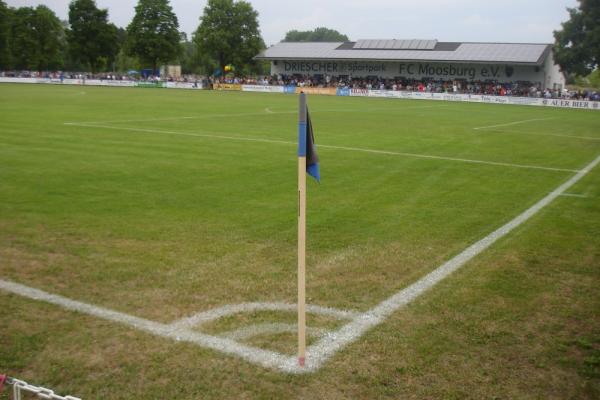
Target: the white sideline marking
pixel 318 353
pixel 266 358
pixel 514 123
pixel 269 329
pixel 116 121
pixel 266 111
pixel 372 151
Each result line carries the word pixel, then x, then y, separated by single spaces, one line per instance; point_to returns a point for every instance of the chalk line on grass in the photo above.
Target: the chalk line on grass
pixel 321 351
pixel 514 123
pixel 266 358
pixel 267 111
pixel 262 357
pixel 326 146
pixel 331 342
pixel 465 160
pixel 269 329
pixel 582 196
pixel 216 313
pixel 117 121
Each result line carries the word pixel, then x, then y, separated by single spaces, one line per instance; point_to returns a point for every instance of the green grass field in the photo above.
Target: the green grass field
pixel 162 204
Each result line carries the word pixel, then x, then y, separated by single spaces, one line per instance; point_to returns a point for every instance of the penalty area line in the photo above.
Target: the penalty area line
pixel 326 146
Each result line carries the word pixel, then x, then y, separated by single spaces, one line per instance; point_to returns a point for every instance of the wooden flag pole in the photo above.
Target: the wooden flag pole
pixel 302 231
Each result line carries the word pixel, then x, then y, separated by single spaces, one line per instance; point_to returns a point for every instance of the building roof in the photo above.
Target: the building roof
pixel 409 50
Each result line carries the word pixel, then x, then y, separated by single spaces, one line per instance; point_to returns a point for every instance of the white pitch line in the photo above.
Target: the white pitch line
pixel 262 357
pixel 356 149
pixel 173 118
pixel 269 329
pixel 266 112
pixel 325 348
pixel 582 196
pixel 181 332
pixel 465 160
pixel 216 313
pixel 513 123
pixel 321 351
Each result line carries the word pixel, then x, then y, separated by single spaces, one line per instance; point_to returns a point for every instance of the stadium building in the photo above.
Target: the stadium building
pixel 418 59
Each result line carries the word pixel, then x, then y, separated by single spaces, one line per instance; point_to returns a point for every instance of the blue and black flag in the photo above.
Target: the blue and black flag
pixel 312 160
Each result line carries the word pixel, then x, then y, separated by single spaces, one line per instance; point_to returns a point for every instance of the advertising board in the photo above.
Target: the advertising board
pixel 227 86
pixel 316 90
pixel 263 88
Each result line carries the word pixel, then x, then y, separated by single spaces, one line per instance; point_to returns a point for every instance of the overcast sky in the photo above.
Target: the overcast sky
pixel 526 21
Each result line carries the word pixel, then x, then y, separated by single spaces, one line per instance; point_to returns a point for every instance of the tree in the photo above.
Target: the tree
pixel 194 62
pixel 36 39
pixel 153 35
pixel 229 33
pixel 25 52
pixel 318 35
pixel 92 39
pixel 5 18
pixel 594 79
pixel 50 37
pixel 123 61
pixel 577 46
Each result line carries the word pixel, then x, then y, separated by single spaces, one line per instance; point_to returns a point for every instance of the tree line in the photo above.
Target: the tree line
pixel 36 39
pixel 228 34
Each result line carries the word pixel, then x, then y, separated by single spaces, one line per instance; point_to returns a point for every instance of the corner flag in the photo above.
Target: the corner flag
pixel 308 163
pixel 306 144
pixel 312 159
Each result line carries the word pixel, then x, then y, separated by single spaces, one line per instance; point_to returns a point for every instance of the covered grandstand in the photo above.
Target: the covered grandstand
pixel 426 60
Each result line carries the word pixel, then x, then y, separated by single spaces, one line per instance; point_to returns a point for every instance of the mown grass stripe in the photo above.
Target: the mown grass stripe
pixel 326 146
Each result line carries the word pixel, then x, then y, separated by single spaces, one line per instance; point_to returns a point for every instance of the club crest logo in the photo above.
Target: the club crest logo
pixel 509 71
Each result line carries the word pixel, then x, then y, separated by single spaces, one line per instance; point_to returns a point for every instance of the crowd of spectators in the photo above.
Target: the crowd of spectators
pixel 65 75
pixel 107 76
pixel 429 85
pixel 583 95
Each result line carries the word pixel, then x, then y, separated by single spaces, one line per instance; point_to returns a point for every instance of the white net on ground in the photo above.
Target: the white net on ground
pixel 20 387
